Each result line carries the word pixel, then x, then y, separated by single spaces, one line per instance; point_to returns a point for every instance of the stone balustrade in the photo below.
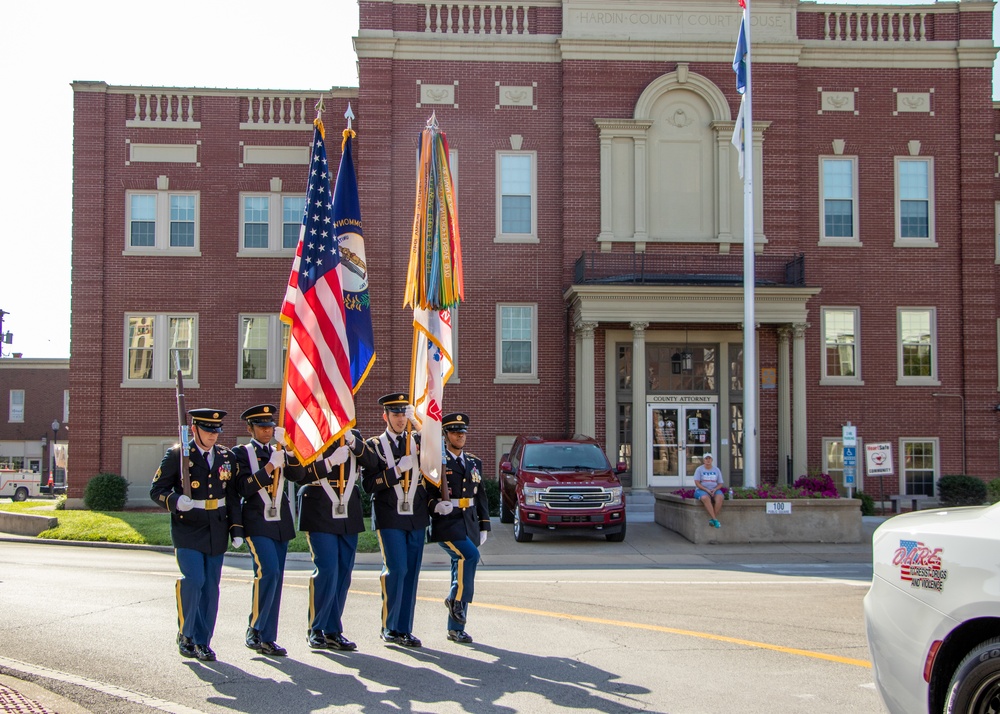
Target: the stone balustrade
pixel 476 19
pixel 162 109
pixel 875 25
pixel 277 111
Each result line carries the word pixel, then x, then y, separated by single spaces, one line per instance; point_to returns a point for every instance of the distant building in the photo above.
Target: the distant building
pixel 37 394
pixel 602 219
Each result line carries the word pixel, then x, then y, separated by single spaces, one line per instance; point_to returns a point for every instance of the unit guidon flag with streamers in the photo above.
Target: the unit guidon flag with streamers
pixel 317 399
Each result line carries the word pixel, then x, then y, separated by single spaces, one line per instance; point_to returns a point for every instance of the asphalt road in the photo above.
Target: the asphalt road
pixel 97 627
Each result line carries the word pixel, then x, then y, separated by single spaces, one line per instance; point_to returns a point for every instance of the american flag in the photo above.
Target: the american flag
pixel 908 546
pixel 317 403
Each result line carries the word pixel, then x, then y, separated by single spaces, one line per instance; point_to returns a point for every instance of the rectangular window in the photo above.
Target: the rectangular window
pixel 516 197
pixel 263 350
pixel 292 208
pixel 833 463
pixel 839 187
pixel 914 202
pixel 919 470
pixel 155 345
pixel 840 346
pixel 517 343
pixel 917 346
pixel 270 223
pixel 16 412
pixel 162 221
pixel 142 221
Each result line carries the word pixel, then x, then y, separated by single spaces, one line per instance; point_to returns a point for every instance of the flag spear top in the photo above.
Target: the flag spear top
pixel 320 106
pixel 349 115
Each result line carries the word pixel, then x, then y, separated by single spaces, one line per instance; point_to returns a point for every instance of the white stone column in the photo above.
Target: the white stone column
pixel 784 403
pixel 641 231
pixel 640 469
pixel 585 398
pixel 800 436
pixel 607 194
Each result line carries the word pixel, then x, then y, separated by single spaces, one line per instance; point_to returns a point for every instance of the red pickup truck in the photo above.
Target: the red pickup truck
pixel 561 486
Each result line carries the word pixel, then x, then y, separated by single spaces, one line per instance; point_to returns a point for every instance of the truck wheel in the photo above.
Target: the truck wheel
pixel 977 680
pixel 20 494
pixel 506 515
pixel 616 537
pixel 520 535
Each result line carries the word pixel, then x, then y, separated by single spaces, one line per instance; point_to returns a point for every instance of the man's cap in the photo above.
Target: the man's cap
pixel 456 422
pixel 207 419
pixel 707 456
pixel 395 402
pixel 260 415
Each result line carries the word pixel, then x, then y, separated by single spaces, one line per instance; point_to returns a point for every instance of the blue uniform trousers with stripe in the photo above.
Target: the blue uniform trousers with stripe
pixel 198 593
pixel 268 575
pixel 464 561
pixel 333 555
pixel 402 553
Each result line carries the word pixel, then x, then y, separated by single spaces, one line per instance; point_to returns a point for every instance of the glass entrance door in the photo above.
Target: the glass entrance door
pixel 679 435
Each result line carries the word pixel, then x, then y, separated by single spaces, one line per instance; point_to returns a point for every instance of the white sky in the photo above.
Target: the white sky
pixel 252 44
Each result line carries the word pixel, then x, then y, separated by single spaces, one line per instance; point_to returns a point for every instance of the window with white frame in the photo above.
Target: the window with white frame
pixel 517 197
pixel 833 463
pixel 917 345
pixel 914 202
pixel 263 350
pixel 517 343
pixel 155 344
pixel 841 352
pixel 158 221
pixel 918 466
pixel 269 223
pixel 16 412
pixel 838 208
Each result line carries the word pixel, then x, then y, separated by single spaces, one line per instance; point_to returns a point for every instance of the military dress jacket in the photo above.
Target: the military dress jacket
pixel 471 515
pixel 207 528
pixel 386 485
pixel 317 511
pixel 255 508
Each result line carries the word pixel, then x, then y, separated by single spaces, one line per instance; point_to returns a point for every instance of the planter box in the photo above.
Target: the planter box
pixel 26 524
pixel 811 520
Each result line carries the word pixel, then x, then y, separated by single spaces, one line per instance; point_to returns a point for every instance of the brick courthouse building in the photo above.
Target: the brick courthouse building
pixel 602 219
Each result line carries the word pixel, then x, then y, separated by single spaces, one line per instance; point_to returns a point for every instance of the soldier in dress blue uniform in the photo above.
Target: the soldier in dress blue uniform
pixel 459 525
pixel 200 526
pixel 391 474
pixel 330 513
pixel 268 524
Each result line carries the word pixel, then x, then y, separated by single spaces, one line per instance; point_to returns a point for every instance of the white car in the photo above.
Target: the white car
pixel 933 611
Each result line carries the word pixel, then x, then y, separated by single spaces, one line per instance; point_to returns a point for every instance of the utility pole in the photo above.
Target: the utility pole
pixel 6 338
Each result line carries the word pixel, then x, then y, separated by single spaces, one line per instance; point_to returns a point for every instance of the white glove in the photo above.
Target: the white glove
pixel 349 438
pixel 237 542
pixel 184 503
pixel 405 463
pixel 411 415
pixel 277 459
pixel 279 434
pixel 443 508
pixel 482 537
pixel 338 457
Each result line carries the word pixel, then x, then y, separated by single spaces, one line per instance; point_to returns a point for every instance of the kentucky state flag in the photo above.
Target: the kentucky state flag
pixel 353 268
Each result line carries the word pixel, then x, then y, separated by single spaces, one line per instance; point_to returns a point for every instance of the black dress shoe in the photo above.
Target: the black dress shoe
pixel 316 640
pixel 390 636
pixel 408 640
pixel 337 641
pixel 204 653
pixel 460 636
pixel 272 649
pixel 457 610
pixel 253 639
pixel 185 646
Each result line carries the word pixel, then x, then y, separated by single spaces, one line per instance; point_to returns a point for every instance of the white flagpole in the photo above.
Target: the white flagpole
pixel 750 416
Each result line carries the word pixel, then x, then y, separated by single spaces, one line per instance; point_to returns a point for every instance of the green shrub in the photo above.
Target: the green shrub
pixel 867 503
pixel 492 488
pixel 61 503
pixel 961 491
pixel 993 491
pixel 106 492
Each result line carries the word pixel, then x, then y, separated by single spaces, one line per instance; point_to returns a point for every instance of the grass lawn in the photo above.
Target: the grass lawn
pixel 137 527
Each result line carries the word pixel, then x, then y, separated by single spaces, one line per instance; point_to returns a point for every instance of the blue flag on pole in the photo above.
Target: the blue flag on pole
pixel 353 268
pixel 740 60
